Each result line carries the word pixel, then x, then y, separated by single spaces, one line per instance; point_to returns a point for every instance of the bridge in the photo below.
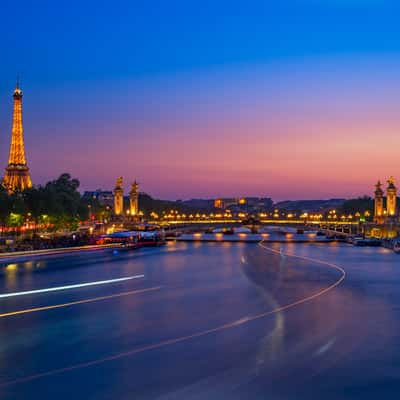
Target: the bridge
pixel 337 233
pixel 272 221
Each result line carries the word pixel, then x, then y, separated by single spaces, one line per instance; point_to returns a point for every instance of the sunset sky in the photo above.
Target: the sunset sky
pixel 287 99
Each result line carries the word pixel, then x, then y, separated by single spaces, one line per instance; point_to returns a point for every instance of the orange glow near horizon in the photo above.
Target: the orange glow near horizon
pixel 225 137
pixel 282 167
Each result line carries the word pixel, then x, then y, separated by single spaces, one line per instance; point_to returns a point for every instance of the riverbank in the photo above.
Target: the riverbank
pixel 22 255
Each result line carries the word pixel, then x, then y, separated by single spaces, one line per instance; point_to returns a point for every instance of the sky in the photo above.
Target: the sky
pixel 296 99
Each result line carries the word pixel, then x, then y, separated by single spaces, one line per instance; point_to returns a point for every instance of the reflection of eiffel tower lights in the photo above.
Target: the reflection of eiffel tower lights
pixel 17 176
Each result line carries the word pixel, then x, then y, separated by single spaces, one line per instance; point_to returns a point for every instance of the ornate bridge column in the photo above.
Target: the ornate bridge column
pixel 378 203
pixel 134 199
pixel 119 197
pixel 391 194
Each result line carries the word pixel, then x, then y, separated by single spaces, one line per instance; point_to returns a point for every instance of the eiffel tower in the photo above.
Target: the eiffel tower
pixel 17 176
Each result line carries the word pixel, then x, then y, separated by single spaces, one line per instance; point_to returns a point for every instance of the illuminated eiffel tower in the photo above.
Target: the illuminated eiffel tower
pixel 17 176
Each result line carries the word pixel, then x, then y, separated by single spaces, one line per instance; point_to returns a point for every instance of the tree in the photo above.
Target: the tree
pixel 61 201
pixel 5 205
pixel 35 202
pixel 147 204
pixel 360 204
pixel 58 203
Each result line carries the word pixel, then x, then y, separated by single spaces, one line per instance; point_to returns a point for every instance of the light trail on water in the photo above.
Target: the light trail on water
pixel 230 325
pixel 73 303
pixel 69 287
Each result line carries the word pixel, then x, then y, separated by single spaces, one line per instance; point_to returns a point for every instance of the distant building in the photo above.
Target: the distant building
pixel 258 203
pixel 219 203
pixel 310 206
pixel 198 204
pixel 104 197
pixel 224 203
pixel 244 203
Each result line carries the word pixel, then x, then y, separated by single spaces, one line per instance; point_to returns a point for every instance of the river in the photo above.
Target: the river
pixel 203 321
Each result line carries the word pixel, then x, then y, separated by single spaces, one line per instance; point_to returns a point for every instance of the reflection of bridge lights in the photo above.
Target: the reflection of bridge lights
pixel 28 264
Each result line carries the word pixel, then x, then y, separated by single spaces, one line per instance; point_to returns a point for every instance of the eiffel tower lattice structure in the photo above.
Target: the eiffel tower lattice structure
pixel 17 177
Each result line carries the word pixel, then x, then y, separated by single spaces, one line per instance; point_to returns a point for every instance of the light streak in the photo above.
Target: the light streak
pixel 53 252
pixel 68 287
pixel 169 342
pixel 73 303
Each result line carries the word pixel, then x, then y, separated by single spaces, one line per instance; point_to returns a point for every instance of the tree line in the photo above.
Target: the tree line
pixel 58 203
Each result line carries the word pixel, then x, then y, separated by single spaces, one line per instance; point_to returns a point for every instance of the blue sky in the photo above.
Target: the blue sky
pixel 131 88
pixel 90 40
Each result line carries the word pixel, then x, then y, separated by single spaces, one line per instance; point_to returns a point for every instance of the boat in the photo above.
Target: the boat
pixel 242 229
pixel 367 242
pixel 388 243
pixel 288 230
pixel 396 247
pixel 129 246
pixel 353 239
pixel 152 238
pixel 123 238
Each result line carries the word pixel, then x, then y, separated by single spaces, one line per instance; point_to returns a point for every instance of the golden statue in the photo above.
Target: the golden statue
pixel 391 181
pixel 119 183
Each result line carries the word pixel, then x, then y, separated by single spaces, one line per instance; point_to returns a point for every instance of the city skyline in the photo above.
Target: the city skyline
pixel 256 111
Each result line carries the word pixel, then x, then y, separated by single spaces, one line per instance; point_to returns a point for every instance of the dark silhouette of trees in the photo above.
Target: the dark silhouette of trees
pixel 361 205
pixel 58 203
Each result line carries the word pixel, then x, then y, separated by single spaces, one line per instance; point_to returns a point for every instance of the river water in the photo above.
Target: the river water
pixel 203 321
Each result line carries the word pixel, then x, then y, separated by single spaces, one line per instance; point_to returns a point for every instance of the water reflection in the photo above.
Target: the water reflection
pixel 346 338
pixel 327 331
